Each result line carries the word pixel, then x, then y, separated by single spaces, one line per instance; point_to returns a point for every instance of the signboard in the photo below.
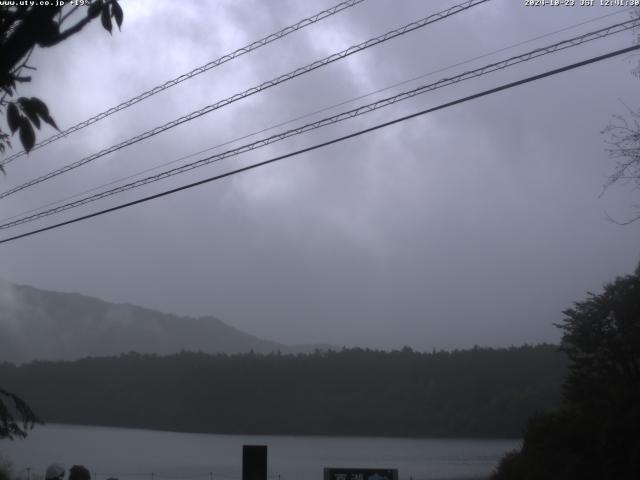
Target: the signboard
pixel 360 474
pixel 254 462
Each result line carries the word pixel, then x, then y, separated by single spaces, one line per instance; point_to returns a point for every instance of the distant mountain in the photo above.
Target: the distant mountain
pixel 46 325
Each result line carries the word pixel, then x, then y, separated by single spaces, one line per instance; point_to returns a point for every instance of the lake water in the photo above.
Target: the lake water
pixel 130 454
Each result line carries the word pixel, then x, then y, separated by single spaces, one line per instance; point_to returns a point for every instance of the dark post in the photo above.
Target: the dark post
pixel 254 462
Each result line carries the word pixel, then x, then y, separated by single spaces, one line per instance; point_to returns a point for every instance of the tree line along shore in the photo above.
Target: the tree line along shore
pixel 481 392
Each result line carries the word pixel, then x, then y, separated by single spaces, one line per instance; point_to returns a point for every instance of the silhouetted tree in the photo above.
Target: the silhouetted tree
pixel 12 406
pixel 23 27
pixel 602 340
pixel 595 433
pixel 623 145
pixel 623 142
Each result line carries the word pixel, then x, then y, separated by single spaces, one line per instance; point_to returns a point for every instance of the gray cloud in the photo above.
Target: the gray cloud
pixel 477 224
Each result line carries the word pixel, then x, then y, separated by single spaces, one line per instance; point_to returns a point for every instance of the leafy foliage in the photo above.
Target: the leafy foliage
pixel 602 341
pixel 22 28
pixel 13 406
pixel 26 113
pixel 595 433
pixel 472 393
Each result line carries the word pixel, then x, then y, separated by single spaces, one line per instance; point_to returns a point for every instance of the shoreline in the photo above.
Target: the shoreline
pixel 276 435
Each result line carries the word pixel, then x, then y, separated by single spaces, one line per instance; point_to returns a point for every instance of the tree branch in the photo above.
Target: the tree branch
pixel 68 14
pixel 70 31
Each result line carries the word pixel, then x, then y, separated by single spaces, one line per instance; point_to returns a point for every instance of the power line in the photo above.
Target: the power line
pixel 331 142
pixel 196 71
pixel 536 53
pixel 315 112
pixel 263 86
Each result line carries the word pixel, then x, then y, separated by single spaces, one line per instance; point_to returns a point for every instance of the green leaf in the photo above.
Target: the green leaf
pixel 94 9
pixel 13 117
pixel 42 110
pixel 48 119
pixel 40 106
pixel 116 12
pixel 27 135
pixel 106 19
pixel 34 119
pixel 30 110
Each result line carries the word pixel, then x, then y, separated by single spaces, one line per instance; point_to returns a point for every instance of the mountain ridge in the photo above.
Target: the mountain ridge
pixel 38 324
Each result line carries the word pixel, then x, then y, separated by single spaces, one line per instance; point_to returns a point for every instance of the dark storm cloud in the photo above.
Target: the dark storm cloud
pixel 477 224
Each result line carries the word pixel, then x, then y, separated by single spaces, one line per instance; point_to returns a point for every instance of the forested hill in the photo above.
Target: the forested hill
pixel 43 325
pixel 471 393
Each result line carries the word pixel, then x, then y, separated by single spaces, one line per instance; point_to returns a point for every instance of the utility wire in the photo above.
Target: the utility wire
pixel 196 71
pixel 539 52
pixel 310 114
pixel 331 142
pixel 263 86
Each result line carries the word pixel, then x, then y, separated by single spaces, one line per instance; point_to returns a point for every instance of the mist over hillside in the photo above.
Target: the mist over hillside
pixel 46 325
pixel 142 373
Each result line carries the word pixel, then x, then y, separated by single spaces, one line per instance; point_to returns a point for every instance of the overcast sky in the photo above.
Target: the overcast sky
pixel 477 224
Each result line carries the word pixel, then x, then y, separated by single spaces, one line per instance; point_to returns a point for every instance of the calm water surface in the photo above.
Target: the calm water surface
pixel 129 454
